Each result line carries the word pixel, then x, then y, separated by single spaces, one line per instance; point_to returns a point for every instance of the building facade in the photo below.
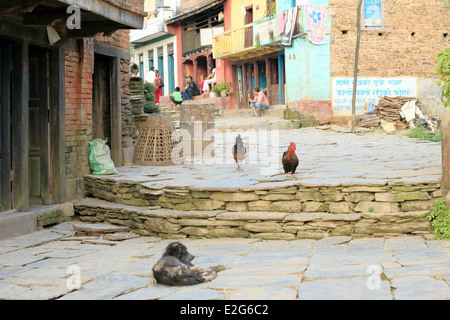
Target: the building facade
pixel 154 46
pixel 314 72
pixel 64 81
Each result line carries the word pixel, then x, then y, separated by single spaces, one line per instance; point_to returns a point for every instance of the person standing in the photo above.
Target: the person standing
pixel 150 75
pixel 158 89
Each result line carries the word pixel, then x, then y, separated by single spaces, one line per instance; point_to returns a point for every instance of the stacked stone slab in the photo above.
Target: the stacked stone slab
pixel 291 212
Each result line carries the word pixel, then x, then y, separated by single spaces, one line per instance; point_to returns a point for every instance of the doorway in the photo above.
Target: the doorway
pixel 101 101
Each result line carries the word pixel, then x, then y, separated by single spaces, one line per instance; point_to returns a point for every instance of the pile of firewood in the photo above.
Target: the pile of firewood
pixel 368 120
pixel 389 109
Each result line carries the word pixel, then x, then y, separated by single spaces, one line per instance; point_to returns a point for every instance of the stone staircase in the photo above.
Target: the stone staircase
pixel 296 212
pixel 15 223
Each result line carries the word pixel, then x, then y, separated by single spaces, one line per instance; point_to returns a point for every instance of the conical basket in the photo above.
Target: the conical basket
pixel 158 144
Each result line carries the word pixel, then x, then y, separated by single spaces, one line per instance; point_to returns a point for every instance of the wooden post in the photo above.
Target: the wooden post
pixel 237 94
pixel 57 125
pixel 355 74
pixel 245 85
pixel 250 82
pixel 268 79
pixel 256 74
pixel 195 64
pixel 20 125
pixel 116 114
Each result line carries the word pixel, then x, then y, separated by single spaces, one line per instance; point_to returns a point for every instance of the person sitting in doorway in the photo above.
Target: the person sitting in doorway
pixel 201 83
pixel 260 102
pixel 191 89
pixel 209 80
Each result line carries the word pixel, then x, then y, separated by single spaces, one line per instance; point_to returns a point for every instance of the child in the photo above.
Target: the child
pixel 176 97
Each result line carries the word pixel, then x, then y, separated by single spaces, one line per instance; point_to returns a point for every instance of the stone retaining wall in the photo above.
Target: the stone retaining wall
pixel 290 212
pixel 298 197
pixel 172 224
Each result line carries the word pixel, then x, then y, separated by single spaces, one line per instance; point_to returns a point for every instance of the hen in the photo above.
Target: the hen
pixel 290 159
pixel 239 151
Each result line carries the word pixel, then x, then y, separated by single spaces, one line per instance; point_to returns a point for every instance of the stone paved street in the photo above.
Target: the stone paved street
pixel 43 266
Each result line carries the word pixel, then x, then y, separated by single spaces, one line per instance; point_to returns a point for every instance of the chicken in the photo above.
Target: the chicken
pixel 239 151
pixel 290 159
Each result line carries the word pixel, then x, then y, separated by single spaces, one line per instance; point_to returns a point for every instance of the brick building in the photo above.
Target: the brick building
pixel 400 42
pixel 61 85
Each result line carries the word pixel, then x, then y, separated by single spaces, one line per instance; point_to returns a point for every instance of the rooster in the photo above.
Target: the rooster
pixel 290 159
pixel 239 151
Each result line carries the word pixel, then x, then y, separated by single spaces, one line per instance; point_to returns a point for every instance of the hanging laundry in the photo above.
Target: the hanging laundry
pixel 316 20
pixel 289 26
pixel 280 22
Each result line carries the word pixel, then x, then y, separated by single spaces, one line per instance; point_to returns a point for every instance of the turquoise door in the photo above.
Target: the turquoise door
pixel 171 76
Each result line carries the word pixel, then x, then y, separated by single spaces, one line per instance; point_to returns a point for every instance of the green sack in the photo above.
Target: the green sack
pixel 99 158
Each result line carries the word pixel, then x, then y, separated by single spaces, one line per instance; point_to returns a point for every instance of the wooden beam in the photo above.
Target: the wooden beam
pixel 43 19
pixel 9 6
pixel 92 28
pixel 19 119
pixel 114 13
pixel 111 51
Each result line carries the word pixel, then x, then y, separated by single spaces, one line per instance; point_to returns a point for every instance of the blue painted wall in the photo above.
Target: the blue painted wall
pixel 308 75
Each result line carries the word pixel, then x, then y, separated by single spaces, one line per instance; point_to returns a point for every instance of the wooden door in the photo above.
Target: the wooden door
pixel 248 31
pixel 5 127
pixel 38 126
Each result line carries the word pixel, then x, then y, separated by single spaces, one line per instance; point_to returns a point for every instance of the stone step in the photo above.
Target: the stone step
pixel 260 123
pixel 167 223
pixel 16 223
pixel 273 111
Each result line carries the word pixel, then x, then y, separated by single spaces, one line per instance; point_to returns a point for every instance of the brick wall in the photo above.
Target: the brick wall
pixel 136 6
pixel 79 69
pixel 408 45
pixel 79 88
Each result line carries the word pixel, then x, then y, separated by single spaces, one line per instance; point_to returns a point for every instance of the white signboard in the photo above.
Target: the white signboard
pixel 207 34
pixel 368 90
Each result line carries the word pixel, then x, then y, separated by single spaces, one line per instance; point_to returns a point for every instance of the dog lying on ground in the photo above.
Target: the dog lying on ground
pixel 175 268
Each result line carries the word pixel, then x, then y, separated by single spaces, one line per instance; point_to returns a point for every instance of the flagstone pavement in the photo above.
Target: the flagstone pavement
pixel 46 265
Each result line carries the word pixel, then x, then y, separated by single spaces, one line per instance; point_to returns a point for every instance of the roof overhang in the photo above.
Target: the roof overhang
pixel 96 16
pixel 194 11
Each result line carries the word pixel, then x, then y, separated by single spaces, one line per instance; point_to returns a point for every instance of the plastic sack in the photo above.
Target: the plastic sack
pixel 100 158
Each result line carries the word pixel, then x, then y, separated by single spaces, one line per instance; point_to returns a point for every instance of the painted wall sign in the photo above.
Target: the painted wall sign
pixel 368 90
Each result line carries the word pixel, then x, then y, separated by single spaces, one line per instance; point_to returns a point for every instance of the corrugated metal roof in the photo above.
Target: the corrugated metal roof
pixel 187 9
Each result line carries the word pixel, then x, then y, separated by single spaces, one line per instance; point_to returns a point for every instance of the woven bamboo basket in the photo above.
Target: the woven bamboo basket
pixel 158 143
